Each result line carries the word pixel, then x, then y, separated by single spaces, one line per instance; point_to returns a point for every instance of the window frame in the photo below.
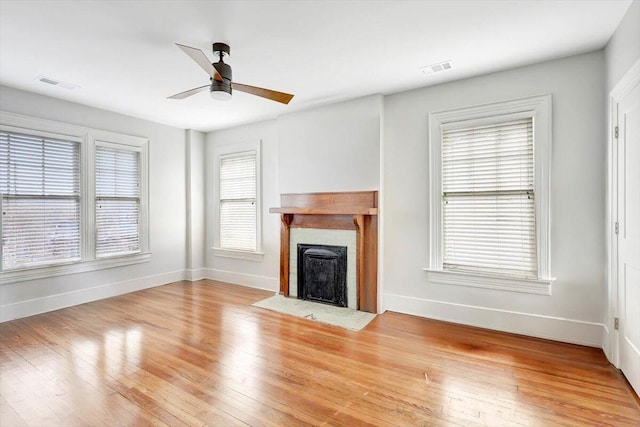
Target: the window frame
pixel 88 138
pixel 539 108
pixel 226 151
pixel 140 146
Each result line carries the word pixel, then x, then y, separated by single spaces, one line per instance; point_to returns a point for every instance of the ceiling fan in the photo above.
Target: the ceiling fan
pixel 220 75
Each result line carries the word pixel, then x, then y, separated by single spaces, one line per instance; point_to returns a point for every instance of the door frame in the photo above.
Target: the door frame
pixel 610 340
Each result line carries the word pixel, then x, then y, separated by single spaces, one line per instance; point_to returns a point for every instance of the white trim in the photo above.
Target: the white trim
pixel 610 340
pixel 605 341
pixel 538 107
pixel 246 255
pixel 27 123
pixel 195 274
pixel 528 286
pixel 229 149
pixel 67 299
pixel 249 280
pixel 535 325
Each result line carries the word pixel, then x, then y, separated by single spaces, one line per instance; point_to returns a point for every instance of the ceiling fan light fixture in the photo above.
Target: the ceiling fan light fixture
pixel 221 93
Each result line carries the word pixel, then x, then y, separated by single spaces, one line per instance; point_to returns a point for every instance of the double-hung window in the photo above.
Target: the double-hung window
pixel 117 201
pixel 74 199
pixel 40 186
pixel 237 196
pixel 489 196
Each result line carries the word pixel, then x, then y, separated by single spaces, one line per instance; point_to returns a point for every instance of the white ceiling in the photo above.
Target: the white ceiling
pixel 122 55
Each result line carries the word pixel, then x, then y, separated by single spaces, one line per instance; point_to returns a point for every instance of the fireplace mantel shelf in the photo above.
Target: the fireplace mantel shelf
pixel 325 211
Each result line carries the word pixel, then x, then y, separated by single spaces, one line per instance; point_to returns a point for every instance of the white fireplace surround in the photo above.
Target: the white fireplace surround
pixel 316 236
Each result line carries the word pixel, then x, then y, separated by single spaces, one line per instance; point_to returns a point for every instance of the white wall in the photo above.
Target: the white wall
pixel 574 312
pixel 331 148
pixel 167 212
pixel 261 274
pixel 623 48
pixel 195 204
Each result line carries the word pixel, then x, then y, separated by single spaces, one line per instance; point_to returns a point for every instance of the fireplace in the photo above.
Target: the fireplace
pixel 323 214
pixel 322 274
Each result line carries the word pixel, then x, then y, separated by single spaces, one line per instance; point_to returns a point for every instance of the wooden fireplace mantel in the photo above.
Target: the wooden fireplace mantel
pixel 355 210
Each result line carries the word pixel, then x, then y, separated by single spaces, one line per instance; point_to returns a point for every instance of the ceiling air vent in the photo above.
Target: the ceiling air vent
pixel 437 67
pixel 58 83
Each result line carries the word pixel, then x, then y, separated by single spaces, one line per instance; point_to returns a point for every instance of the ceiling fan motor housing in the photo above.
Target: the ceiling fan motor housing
pixel 223 85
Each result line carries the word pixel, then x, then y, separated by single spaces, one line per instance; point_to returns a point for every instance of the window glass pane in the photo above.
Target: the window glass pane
pixel 238 177
pixel 117 227
pixel 40 231
pixel 238 225
pixel 117 173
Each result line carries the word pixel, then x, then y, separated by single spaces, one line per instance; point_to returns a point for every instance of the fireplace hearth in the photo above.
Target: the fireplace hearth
pixel 322 274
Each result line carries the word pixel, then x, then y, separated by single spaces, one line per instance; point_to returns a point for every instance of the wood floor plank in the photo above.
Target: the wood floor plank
pixel 198 354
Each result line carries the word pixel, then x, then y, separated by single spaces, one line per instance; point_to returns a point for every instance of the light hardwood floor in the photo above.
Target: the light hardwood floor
pixel 198 354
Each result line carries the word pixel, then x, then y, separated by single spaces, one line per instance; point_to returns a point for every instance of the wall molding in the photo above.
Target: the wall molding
pixel 54 302
pixel 195 274
pixel 535 325
pixel 68 299
pixel 249 280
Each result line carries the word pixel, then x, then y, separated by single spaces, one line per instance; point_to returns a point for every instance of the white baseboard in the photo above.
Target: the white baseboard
pixel 535 325
pixel 81 296
pixel 249 280
pixel 195 274
pixel 608 345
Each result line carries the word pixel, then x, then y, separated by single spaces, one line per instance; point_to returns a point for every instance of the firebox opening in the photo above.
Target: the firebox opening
pixel 322 274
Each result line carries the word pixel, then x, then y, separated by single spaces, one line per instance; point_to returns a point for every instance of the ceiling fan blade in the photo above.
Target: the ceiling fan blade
pixel 189 92
pixel 201 59
pixel 265 93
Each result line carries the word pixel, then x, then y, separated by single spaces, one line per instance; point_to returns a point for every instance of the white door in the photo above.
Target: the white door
pixel 629 234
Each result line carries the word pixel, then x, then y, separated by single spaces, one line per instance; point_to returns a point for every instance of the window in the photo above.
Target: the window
pixel 237 187
pixel 73 199
pixel 117 201
pixel 488 198
pixel 489 201
pixel 40 185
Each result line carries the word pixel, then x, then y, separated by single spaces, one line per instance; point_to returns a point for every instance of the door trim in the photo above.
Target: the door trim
pixel 610 341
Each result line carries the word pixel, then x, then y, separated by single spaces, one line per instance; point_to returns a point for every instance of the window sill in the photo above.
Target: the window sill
pixel 245 255
pixel 79 267
pixel 512 284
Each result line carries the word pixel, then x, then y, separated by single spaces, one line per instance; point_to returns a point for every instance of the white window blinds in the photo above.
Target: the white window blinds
pixel 238 214
pixel 117 201
pixel 488 199
pixel 40 186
